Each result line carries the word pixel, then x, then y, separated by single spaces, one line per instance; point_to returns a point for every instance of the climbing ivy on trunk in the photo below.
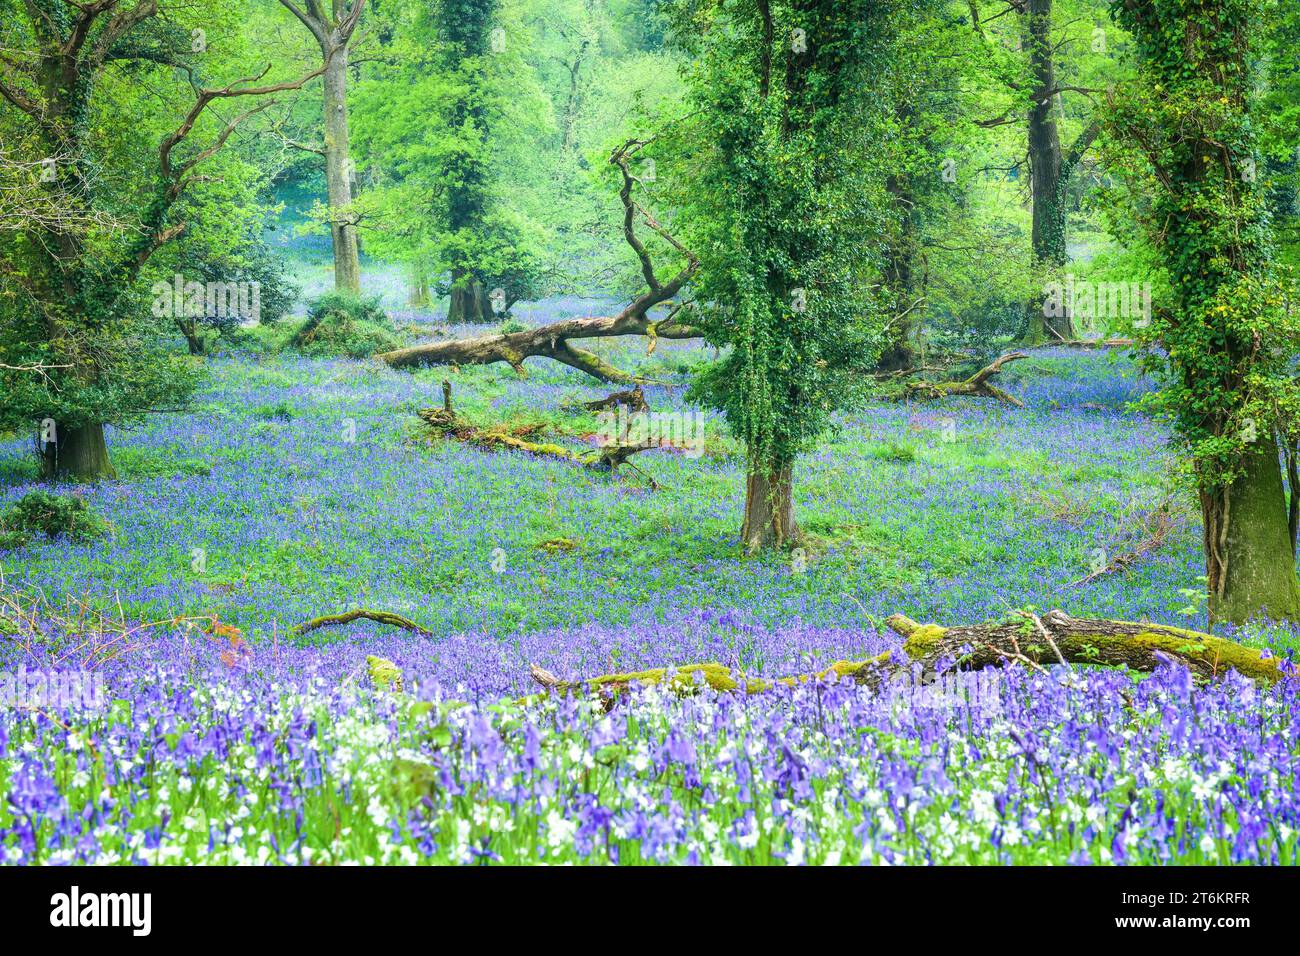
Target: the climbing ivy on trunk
pixel 783 206
pixel 1185 142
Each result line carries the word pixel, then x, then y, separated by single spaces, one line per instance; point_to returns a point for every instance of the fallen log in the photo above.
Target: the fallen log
pixel 1024 638
pixel 555 341
pixel 1138 646
pixel 347 617
pixel 548 341
pixel 978 385
pixel 606 458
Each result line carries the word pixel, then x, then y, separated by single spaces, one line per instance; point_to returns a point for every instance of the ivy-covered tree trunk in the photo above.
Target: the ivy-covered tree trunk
pixel 781 208
pixel 1224 339
pixel 1048 230
pixel 466 27
pixel 77 454
pixel 769 509
pixel 338 172
pixel 1249 561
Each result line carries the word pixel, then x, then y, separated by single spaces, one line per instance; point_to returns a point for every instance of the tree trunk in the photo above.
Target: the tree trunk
pixel 1048 234
pixel 898 354
pixel 1249 562
pixel 193 335
pixel 77 454
pixel 574 103
pixel 469 301
pixel 338 172
pixel 419 296
pixel 769 509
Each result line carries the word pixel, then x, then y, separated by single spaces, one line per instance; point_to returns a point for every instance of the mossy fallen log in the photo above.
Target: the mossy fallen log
pixel 1111 343
pixel 1138 646
pixel 978 385
pixel 607 458
pixel 689 677
pixel 1023 638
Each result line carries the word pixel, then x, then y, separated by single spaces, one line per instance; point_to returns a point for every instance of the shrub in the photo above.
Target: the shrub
pixel 340 323
pixel 42 512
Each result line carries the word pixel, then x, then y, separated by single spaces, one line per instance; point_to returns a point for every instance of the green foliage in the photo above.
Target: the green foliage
pixel 73 279
pixel 343 323
pixel 440 181
pixel 1186 147
pixel 529 127
pixel 51 515
pixel 1279 124
pixel 356 308
pixel 781 206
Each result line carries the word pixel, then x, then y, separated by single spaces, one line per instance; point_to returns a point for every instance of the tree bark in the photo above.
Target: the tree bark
pixel 547 341
pixel 1048 232
pixel 419 294
pixel 347 617
pixel 1250 565
pixel 769 520
pixel 574 102
pixel 333 26
pixel 338 170
pixel 78 454
pixel 607 458
pixel 1050 173
pixel 465 25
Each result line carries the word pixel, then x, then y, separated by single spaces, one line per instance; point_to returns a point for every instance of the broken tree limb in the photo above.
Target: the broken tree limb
pixel 607 458
pixel 1024 638
pixel 633 400
pixel 978 385
pixel 554 341
pixel 1160 524
pixel 347 617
